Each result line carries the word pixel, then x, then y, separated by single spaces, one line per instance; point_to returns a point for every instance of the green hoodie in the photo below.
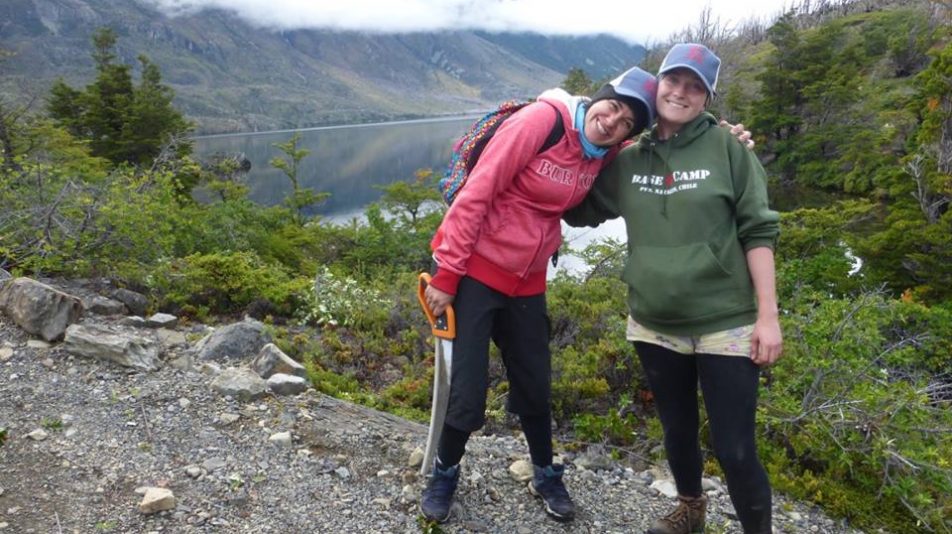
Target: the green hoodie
pixel 693 205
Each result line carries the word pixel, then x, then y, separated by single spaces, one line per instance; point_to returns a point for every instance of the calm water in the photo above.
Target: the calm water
pixel 345 161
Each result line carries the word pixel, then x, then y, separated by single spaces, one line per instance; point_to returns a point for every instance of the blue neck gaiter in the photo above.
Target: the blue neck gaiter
pixel 591 151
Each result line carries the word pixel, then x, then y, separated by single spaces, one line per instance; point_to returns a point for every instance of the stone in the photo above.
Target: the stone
pixel 137 303
pixel 521 471
pixel 104 306
pixel 157 500
pixel 238 341
pixel 38 435
pixel 133 320
pixel 665 487
pixel 416 458
pixel 408 494
pixel 38 308
pixel 281 438
pixel 593 461
pixel 161 320
pixel 113 343
pixel 282 384
pixel 271 360
pixel 241 383
pixel 171 338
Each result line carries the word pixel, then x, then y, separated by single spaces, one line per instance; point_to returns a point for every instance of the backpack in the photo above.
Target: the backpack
pixel 467 149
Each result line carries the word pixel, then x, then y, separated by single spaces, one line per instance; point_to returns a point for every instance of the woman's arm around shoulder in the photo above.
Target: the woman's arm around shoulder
pixel 601 202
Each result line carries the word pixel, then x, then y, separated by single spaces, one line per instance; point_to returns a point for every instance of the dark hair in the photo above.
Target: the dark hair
pixel 640 112
pixel 638 108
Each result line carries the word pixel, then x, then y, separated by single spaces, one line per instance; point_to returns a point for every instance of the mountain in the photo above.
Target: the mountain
pixel 230 75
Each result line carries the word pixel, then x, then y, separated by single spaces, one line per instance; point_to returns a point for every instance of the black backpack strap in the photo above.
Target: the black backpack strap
pixel 558 130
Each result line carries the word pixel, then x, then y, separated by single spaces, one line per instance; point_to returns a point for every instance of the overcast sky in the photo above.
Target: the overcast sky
pixel 634 21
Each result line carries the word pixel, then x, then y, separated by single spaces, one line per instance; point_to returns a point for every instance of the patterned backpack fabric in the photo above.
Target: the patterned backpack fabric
pixel 467 149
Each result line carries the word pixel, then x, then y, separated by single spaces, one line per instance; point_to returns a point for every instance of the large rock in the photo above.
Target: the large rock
pixel 38 308
pixel 271 360
pixel 282 384
pixel 115 344
pixel 238 341
pixel 136 302
pixel 241 383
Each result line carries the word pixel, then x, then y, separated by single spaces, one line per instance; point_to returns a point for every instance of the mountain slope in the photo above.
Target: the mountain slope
pixel 230 75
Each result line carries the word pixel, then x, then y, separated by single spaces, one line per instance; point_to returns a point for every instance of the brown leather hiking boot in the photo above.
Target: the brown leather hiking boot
pixel 687 518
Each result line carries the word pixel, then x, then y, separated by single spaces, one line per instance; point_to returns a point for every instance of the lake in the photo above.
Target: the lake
pixel 345 161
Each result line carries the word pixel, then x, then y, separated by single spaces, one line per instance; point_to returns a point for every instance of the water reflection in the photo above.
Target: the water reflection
pixel 345 161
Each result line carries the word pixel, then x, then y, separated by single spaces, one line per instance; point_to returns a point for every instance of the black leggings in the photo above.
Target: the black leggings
pixel 537 429
pixel 729 386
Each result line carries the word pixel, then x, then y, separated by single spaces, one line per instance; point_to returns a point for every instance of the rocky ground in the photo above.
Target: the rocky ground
pixel 85 437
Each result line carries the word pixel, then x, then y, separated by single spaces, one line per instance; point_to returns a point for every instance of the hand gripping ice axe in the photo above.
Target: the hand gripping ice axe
pixel 444 331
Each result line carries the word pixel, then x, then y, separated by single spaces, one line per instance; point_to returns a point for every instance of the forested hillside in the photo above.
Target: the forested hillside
pixel 851 105
pixel 231 75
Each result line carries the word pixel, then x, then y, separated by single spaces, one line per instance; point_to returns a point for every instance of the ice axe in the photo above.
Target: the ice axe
pixel 444 331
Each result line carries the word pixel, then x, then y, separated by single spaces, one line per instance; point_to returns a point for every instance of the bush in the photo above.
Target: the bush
pixel 225 283
pixel 856 418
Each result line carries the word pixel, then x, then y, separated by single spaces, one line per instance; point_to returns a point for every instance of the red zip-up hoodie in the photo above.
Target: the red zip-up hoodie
pixel 505 223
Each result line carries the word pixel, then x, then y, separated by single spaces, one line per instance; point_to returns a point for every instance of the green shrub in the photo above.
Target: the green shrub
pixel 855 409
pixel 225 283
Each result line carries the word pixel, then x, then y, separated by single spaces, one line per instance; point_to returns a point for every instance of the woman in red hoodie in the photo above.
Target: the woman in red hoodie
pixel 492 250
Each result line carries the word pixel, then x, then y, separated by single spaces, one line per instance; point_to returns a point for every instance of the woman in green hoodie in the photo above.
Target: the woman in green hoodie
pixel 700 274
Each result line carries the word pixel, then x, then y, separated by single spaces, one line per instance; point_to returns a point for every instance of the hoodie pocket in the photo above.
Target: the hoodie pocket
pixel 678 284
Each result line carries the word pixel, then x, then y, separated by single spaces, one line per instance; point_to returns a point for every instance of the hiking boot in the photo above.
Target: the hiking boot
pixel 438 496
pixel 687 518
pixel 547 483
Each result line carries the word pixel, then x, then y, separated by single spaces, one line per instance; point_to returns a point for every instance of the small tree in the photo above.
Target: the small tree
pixel 123 123
pixel 578 83
pixel 410 200
pixel 300 197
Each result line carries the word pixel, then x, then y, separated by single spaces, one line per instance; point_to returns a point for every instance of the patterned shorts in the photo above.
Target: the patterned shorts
pixel 732 342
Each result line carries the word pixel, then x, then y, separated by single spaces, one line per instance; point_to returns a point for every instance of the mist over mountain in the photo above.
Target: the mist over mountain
pixel 230 75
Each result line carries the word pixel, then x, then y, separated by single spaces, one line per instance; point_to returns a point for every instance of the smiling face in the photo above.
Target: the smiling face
pixel 681 98
pixel 608 122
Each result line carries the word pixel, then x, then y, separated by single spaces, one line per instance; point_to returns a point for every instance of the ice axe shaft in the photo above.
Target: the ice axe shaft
pixel 444 330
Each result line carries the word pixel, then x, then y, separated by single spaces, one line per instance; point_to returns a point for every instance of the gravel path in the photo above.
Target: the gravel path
pixel 84 437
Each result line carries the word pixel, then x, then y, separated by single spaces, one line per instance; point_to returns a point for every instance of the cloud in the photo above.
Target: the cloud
pixel 636 22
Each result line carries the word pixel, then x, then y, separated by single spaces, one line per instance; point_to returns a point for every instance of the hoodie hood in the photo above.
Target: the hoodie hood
pixel 569 101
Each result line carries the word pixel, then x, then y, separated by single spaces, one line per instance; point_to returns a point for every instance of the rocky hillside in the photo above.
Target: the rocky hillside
pixel 233 76
pixel 116 423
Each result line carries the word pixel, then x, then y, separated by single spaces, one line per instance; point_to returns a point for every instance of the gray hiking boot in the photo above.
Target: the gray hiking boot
pixel 437 498
pixel 547 484
pixel 687 518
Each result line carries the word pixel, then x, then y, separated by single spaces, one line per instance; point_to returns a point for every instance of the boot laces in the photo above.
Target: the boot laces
pixel 681 518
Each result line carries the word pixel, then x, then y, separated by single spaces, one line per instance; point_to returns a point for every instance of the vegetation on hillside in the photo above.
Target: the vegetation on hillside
pixel 855 417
